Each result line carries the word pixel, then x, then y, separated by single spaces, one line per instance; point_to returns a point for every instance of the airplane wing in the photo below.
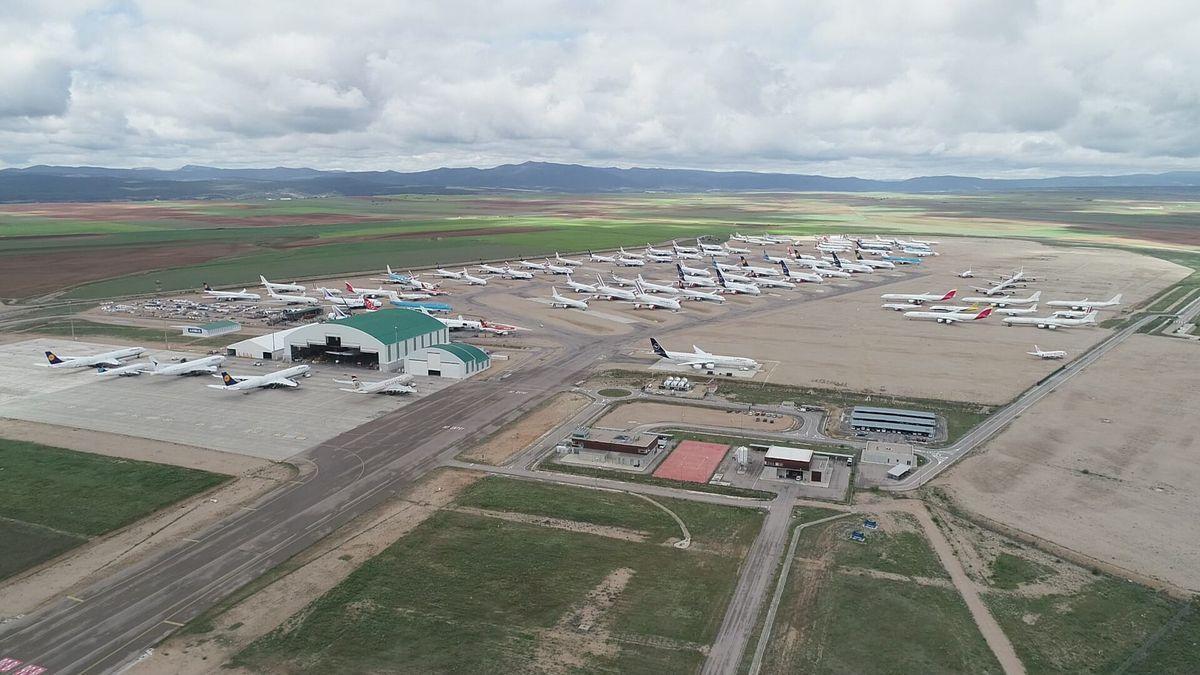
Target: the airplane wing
pixel 285 382
pixel 107 362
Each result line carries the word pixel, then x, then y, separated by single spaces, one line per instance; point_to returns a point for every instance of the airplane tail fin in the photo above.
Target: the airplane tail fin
pixel 371 304
pixel 658 349
pixel 227 379
pixel 1036 296
pixel 1037 348
pixel 951 294
pixel 1116 299
pixel 207 287
pixel 987 311
pixel 154 362
pixel 52 358
pixel 349 287
pixel 262 279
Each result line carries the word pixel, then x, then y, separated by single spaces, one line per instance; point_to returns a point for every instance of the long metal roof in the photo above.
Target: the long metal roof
pixel 392 326
pixel 894 411
pixel 871 417
pixel 464 351
pixel 893 426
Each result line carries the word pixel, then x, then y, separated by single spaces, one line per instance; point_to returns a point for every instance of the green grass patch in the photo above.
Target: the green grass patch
pixel 1093 630
pixel 81 328
pixel 614 393
pixel 463 593
pixel 26 545
pixel 1010 571
pixel 1175 649
pixel 549 464
pixel 88 494
pixel 807 514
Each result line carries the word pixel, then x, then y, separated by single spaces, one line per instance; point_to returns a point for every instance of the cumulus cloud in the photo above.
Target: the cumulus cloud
pixel 877 88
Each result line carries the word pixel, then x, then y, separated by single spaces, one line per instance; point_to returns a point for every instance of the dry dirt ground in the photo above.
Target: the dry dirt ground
pixel 631 415
pixel 1105 466
pixel 513 438
pixel 324 566
pixel 847 341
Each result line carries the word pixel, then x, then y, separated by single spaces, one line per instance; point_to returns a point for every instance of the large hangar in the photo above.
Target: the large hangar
pixel 380 339
pixel 456 360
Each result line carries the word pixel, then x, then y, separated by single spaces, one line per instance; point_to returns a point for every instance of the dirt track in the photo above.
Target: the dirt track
pixel 1106 466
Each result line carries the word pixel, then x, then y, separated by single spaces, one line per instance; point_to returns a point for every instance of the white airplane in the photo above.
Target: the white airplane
pixel 384 293
pixel 700 359
pixel 612 292
pixel 745 266
pixel 773 259
pixel 400 384
pixel 1070 313
pixel 280 378
pixel 272 286
pixel 681 254
pixel 229 295
pixel 1006 300
pixel 737 286
pixel 799 276
pixel 631 262
pixel 1044 354
pixel 124 371
pixel 713 250
pixel 876 264
pixel 596 257
pixel 621 281
pixel 831 273
pixel 735 250
pixel 557 300
pixel 531 265
pixel 696 280
pixel 1049 322
pixel 650 250
pixel 569 262
pixel 492 269
pixel 849 266
pixel 686 249
pixel 918 298
pixel 997 288
pixel 579 287
pixel 510 273
pixel 660 257
pixel 1017 311
pixel 768 282
pixel 291 299
pixel 898 306
pixel 207 364
pixel 410 280
pixel 644 299
pixel 693 294
pixel 750 239
pixel 692 271
pixel 950 317
pixel 473 280
pixel 919 252
pixel 966 275
pixel 346 302
pixel 1086 304
pixel 625 254
pixel 652 287
pixel 497 328
pixel 448 274
pixel 558 269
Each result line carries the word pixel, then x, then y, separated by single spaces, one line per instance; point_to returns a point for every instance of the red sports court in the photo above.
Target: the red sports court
pixel 692 461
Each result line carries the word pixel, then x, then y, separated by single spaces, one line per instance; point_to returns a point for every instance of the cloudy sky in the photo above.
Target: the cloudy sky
pixel 877 89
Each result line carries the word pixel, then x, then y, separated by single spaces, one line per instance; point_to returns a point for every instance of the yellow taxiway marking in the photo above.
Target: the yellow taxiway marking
pixel 173 623
pixel 74 599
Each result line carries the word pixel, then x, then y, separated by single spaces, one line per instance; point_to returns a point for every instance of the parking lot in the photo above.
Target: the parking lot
pixel 269 423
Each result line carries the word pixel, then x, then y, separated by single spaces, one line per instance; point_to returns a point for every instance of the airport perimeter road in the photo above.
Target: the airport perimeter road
pixel 111 623
pixel 947 457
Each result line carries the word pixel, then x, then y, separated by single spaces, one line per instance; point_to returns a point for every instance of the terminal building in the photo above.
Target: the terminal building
pixel 389 339
pixel 915 423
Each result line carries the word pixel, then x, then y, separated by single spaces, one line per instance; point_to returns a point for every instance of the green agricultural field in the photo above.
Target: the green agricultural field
pixel 469 593
pixel 1108 624
pixel 835 619
pixel 53 499
pixel 83 329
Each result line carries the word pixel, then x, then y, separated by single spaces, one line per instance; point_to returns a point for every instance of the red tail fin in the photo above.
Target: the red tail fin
pixel 987 311
pixel 349 287
pixel 951 294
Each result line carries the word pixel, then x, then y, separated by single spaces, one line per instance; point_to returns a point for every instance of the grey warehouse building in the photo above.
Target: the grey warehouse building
pixel 894 421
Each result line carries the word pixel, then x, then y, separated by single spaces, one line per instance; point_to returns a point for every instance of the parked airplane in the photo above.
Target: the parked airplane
pixel 901 260
pixel 695 280
pixel 713 250
pixel 686 249
pixel 270 285
pixel 1086 304
pixel 996 289
pixel 918 298
pixel 612 292
pixel 281 378
pixel 799 276
pixel 207 364
pixel 745 266
pixel 400 384
pixel 569 262
pixel 621 281
pixel 644 299
pixel 491 269
pixel 384 293
pixel 124 371
pixel 531 265
pixel 229 295
pixel 875 264
pixel 1043 354
pixel 652 287
pixel 735 249
pixel 472 280
pixel 966 275
pixel 579 287
pixel 750 239
pixel 411 280
pixel 1049 322
pixel 681 254
pixel 692 271
pixel 660 257
pixel 774 259
pixel 700 359
pixel 950 317
pixel 1017 311
pixel 692 294
pixel 510 273
pixel 557 300
pixel 448 274
pixel 1006 300
pixel 439 307
pixel 630 262
pixel 292 299
pixel 650 250
pixel 346 302
pixel 831 273
pixel 596 257
pixel 625 254
pixel 737 286
pixel 558 269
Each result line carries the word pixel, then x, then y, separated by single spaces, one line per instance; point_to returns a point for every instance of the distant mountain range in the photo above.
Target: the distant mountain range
pixel 86 183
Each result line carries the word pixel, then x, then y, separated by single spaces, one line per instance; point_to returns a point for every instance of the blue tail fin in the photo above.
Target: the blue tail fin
pixel 52 358
pixel 227 379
